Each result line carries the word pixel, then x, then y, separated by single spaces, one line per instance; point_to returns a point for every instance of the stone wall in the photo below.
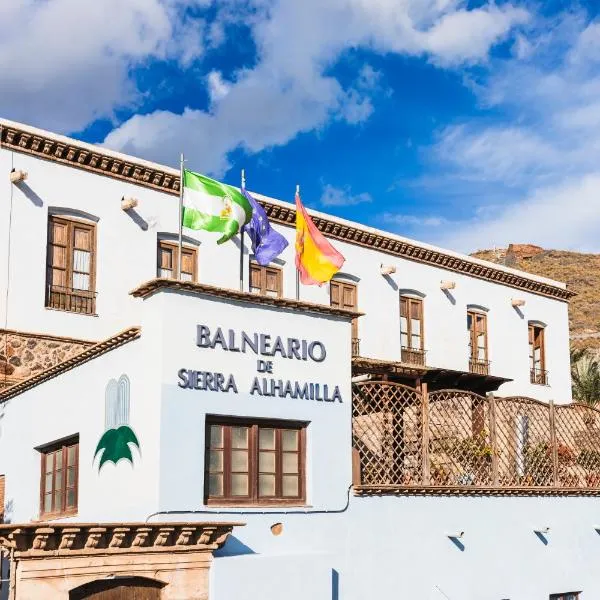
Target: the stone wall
pixel 25 354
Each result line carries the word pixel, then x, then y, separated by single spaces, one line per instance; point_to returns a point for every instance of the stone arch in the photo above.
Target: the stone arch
pixel 118 588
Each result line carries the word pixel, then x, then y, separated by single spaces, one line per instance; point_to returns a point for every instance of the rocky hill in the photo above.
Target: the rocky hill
pixel 580 271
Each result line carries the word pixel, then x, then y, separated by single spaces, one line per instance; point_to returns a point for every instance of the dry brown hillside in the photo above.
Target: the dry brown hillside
pixel 580 271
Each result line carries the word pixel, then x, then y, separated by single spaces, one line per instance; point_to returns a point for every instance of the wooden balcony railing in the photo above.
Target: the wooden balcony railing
pixel 71 300
pixel 481 367
pixel 355 346
pixel 413 356
pixel 538 376
pixel 408 440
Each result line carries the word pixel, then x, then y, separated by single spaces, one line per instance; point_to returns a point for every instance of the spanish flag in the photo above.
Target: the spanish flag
pixel 317 260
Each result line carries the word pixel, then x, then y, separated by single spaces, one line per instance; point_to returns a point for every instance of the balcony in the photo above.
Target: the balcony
pixel 454 441
pixel 480 367
pixel 538 376
pixel 355 346
pixel 413 356
pixel 71 300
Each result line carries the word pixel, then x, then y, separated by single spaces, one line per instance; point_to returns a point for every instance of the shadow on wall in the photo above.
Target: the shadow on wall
pixel 30 194
pixel 233 547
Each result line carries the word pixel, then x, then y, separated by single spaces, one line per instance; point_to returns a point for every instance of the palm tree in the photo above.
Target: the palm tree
pixel 585 376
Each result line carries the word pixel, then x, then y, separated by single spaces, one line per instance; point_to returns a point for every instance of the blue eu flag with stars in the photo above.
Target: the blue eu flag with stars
pixel 266 242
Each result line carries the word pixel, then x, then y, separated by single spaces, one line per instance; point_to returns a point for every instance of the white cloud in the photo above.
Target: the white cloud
pixel 217 87
pixel 289 91
pixel 541 155
pixel 413 221
pixel 65 63
pixel 563 217
pixel 333 196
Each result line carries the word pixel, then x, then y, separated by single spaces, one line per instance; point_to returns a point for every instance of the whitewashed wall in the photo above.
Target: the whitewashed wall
pixel 338 547
pixel 126 256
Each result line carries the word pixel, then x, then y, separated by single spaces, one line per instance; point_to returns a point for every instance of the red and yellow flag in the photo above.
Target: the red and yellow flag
pixel 317 260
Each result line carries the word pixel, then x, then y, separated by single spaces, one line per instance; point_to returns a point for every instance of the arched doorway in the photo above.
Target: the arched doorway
pixel 121 588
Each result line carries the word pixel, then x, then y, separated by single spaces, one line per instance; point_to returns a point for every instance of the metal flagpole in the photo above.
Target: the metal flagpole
pixel 180 217
pixel 297 271
pixel 242 240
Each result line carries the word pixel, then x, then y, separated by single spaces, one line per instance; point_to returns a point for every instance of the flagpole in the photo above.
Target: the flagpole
pixel 297 271
pixel 180 216
pixel 242 240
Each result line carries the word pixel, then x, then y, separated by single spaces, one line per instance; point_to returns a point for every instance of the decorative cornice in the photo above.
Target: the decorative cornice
pixel 118 166
pixel 121 338
pixel 155 285
pixel 73 539
pixel 398 490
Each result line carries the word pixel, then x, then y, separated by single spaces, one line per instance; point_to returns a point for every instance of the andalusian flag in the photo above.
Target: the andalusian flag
pixel 317 260
pixel 214 206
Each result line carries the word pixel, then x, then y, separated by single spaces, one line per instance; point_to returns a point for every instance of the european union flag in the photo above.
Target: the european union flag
pixel 266 242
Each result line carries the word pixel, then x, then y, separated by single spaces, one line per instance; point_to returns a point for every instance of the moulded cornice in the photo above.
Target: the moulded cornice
pixel 155 285
pixel 117 166
pixel 73 539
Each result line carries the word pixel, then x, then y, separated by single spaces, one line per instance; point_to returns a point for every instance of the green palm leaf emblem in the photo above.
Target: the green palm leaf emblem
pixel 114 445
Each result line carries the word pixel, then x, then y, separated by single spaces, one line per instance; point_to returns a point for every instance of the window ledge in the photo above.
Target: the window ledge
pixel 71 312
pixel 50 517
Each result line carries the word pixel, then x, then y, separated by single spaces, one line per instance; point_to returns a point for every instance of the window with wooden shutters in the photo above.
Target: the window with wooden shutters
pixel 2 497
pixel 71 265
pixel 168 261
pixel 537 355
pixel 411 330
pixel 478 350
pixel 344 295
pixel 59 481
pixel 265 281
pixel 254 462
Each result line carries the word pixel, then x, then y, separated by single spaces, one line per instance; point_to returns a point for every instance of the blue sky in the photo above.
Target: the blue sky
pixel 464 124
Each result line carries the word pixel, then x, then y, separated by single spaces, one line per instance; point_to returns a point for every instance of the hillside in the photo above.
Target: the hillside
pixel 580 271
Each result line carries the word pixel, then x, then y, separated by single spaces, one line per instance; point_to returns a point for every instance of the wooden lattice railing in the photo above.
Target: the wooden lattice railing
pixel 458 440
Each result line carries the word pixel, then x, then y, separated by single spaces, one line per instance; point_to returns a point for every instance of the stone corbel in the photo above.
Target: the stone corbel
pixel 164 533
pixel 141 536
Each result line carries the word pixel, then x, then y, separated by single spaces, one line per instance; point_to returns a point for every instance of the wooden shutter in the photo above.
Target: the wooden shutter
pixel 255 279
pixel 266 281
pixel 167 263
pixel 58 242
pixel 343 295
pixel 272 281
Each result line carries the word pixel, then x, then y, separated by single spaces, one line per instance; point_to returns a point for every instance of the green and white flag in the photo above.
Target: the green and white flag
pixel 213 206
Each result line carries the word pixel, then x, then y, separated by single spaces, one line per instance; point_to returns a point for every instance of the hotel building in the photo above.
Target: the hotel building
pixel 406 430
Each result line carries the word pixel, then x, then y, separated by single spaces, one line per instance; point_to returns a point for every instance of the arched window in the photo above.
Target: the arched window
pixel 117 403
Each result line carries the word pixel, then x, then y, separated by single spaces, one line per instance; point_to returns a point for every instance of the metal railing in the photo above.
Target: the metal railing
pixel 538 376
pixel 71 300
pixel 478 366
pixel 413 356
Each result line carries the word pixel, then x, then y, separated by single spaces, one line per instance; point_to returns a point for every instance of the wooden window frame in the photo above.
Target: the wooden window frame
pixel 263 269
pixel 340 304
pixel 174 248
pixel 476 364
pixel 68 295
pixel 537 375
pixel 253 498
pixel 408 353
pixel 44 451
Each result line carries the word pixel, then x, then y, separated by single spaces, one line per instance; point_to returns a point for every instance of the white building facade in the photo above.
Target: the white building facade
pixel 406 431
